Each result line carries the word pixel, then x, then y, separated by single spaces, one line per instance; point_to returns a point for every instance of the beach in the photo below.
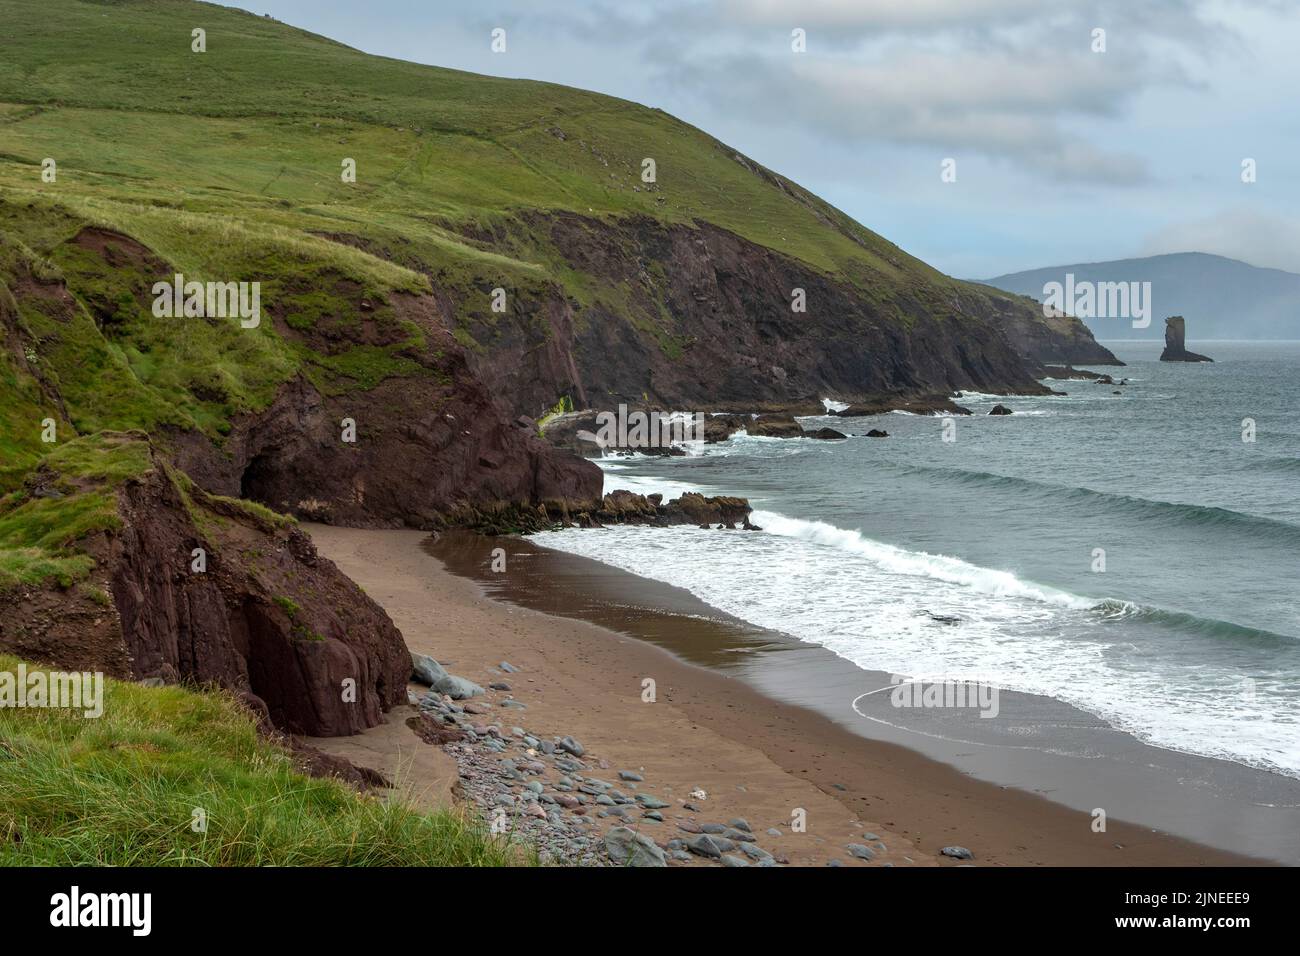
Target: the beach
pixel 753 755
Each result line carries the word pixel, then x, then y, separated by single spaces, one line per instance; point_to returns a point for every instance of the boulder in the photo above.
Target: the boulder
pixel 826 434
pixel 425 670
pixel 633 849
pixel 457 688
pixel 775 426
pixel 999 410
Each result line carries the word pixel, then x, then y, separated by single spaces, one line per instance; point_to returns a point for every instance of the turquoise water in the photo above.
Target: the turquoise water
pixel 978 559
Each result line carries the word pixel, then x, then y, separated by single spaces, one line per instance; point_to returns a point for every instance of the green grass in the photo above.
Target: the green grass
pixel 122 789
pixel 39 535
pixel 226 166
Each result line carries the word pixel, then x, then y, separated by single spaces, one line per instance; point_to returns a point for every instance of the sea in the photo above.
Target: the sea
pixel 1131 550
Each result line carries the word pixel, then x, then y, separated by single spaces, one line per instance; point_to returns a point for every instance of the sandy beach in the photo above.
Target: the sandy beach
pixel 753 756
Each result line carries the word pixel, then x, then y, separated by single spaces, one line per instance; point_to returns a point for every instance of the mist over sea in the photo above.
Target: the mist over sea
pixel 978 559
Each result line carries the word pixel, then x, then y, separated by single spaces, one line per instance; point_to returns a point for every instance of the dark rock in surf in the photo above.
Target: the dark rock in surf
pixel 999 410
pixel 1176 342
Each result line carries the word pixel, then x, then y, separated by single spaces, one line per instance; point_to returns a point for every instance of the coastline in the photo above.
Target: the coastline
pixel 756 755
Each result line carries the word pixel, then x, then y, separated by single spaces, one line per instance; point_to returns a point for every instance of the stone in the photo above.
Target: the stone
pixel 705 845
pixel 457 688
pixel 569 745
pixel 633 849
pixel 957 852
pixel 425 670
pixel 630 775
pixel 860 851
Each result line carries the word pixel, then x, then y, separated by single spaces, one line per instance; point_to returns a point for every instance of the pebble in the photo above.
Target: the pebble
pixel 569 745
pixel 707 846
pixel 957 852
pixel 860 851
pixel 630 775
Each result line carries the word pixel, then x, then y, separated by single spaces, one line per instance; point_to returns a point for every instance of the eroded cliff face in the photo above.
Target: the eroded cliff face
pixel 705 321
pixel 417 449
pixel 207 591
pixel 422 451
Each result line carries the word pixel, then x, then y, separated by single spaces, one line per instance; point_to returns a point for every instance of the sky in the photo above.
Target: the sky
pixel 1069 145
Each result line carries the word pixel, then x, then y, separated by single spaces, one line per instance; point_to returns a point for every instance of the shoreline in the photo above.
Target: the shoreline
pixel 756 755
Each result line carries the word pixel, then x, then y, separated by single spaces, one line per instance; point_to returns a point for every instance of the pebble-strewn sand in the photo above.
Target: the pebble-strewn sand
pixel 754 758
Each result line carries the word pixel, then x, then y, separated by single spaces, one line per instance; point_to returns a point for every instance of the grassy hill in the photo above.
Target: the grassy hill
pixel 123 790
pixel 127 439
pixel 225 165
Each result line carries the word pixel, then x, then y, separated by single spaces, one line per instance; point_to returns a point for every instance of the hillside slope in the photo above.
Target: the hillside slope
pixel 463 180
pixel 497 253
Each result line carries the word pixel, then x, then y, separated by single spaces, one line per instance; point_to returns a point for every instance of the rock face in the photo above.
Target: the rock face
pixel 1175 342
pixel 732 340
pixel 428 451
pixel 268 618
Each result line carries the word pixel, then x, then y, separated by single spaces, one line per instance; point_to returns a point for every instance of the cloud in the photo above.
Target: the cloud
pixel 1015 81
pixel 1260 239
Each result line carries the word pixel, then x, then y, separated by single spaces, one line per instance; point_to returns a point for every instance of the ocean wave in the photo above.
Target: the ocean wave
pixel 1152 509
pixel 900 561
pixel 1112 610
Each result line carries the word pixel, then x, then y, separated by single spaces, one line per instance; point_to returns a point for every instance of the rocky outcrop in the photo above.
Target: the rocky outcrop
pixel 1042 339
pixel 428 449
pixel 826 434
pixel 1176 342
pixel 775 426
pixel 627 507
pixel 209 591
pixel 706 323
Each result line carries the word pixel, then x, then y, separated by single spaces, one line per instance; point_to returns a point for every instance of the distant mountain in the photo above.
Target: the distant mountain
pixel 1220 298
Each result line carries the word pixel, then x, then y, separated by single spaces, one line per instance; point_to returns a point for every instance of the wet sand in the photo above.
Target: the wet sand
pixel 711 727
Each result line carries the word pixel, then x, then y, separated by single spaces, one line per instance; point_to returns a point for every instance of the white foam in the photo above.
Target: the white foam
pixel 874 605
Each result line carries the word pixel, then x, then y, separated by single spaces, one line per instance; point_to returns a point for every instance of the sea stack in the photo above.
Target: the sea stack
pixel 1175 342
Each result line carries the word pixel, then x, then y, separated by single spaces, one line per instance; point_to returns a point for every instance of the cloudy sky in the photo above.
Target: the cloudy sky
pixel 1063 153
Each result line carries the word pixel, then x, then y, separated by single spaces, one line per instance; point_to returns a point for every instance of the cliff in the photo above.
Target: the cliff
pixel 440 258
pixel 161 580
